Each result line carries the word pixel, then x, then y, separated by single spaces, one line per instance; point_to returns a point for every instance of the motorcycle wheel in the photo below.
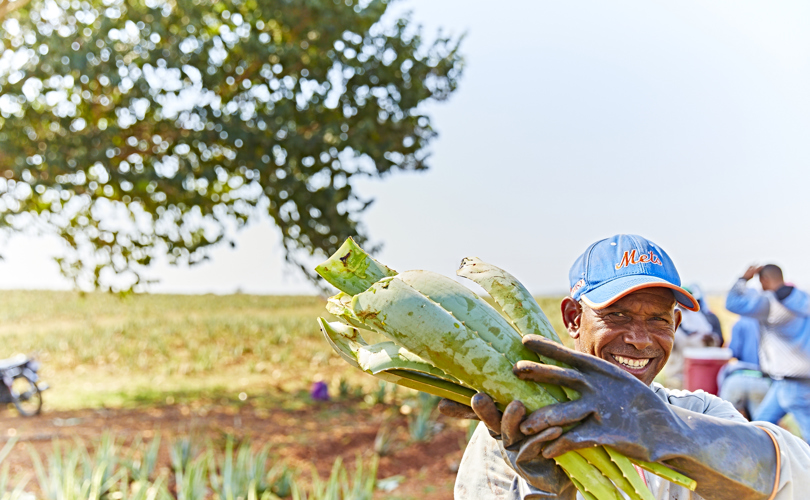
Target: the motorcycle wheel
pixel 26 397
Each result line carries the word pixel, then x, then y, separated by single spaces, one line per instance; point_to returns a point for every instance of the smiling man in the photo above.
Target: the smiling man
pixel 622 316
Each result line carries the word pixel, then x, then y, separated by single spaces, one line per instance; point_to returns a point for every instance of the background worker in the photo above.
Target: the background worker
pixel 621 314
pixel 697 292
pixel 741 382
pixel 783 313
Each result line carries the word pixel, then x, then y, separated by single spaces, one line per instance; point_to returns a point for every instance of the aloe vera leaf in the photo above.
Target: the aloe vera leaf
pixel 581 489
pixel 347 332
pixel 474 312
pixel 423 383
pixel 516 303
pixel 630 472
pixel 667 473
pixel 430 385
pixel 340 305
pixel 341 344
pixel 415 322
pixel 626 480
pixel 385 361
pixel 476 315
pixel 393 367
pixel 387 356
pixel 590 478
pixel 352 270
pixel 378 357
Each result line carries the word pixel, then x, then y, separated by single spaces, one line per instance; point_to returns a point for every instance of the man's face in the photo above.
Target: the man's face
pixel 635 333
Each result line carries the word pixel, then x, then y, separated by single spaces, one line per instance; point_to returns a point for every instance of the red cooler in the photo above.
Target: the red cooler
pixel 701 366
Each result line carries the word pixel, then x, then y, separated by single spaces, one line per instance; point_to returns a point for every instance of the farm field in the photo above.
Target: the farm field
pixel 208 367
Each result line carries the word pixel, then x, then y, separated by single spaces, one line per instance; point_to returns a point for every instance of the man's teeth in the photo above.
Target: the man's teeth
pixel 632 363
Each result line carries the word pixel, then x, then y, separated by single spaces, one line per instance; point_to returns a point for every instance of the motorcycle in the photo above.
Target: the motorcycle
pixel 21 385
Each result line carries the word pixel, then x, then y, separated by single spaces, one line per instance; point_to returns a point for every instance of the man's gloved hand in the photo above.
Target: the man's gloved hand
pixel 614 408
pixel 751 272
pixel 523 454
pixel 729 460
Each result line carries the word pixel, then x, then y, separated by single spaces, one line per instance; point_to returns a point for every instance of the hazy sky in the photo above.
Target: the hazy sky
pixel 686 122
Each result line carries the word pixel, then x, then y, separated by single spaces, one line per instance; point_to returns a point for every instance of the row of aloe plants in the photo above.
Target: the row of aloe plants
pixel 115 472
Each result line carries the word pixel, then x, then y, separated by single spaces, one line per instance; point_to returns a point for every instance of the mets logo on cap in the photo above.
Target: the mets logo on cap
pixel 617 266
pixel 629 259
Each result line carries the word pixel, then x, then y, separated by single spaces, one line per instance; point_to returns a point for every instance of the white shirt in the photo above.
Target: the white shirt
pixel 485 474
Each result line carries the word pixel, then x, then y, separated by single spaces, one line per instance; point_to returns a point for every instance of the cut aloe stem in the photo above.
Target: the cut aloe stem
pixel 430 385
pixel 378 357
pixel 627 480
pixel 477 315
pixel 413 321
pixel 516 303
pixel 581 489
pixel 630 472
pixel 352 270
pixel 590 478
pixel 667 473
pixel 341 306
pixel 392 363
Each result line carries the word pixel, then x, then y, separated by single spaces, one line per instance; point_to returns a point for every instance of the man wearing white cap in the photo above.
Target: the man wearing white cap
pixel 622 316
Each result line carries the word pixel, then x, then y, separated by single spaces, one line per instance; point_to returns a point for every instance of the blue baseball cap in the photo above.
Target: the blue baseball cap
pixel 617 266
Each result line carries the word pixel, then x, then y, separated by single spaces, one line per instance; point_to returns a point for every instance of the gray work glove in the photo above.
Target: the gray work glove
pixel 729 460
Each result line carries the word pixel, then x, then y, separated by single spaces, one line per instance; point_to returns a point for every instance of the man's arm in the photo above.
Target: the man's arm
pixel 746 301
pixel 733 460
pixel 794 453
pixel 794 460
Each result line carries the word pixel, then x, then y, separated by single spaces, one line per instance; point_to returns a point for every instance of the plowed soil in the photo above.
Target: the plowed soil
pixel 312 436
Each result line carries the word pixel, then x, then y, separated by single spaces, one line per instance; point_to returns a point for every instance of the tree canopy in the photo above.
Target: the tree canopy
pixel 141 127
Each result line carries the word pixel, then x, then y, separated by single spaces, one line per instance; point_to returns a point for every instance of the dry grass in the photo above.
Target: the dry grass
pixel 101 350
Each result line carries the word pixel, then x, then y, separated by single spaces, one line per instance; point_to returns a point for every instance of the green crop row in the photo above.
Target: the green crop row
pixel 112 471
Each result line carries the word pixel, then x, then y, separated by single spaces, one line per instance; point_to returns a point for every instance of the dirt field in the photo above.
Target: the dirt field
pixel 315 435
pixel 209 367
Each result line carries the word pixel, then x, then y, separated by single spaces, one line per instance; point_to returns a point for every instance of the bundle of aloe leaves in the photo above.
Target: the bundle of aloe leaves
pixel 447 341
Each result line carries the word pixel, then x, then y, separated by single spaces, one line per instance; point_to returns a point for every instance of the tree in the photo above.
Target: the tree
pixel 136 128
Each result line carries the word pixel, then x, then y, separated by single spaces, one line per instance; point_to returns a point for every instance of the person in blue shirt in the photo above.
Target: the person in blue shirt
pixel 783 314
pixel 745 341
pixel 742 383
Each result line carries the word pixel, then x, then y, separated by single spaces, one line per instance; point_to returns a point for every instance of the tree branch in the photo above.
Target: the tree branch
pixel 9 6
